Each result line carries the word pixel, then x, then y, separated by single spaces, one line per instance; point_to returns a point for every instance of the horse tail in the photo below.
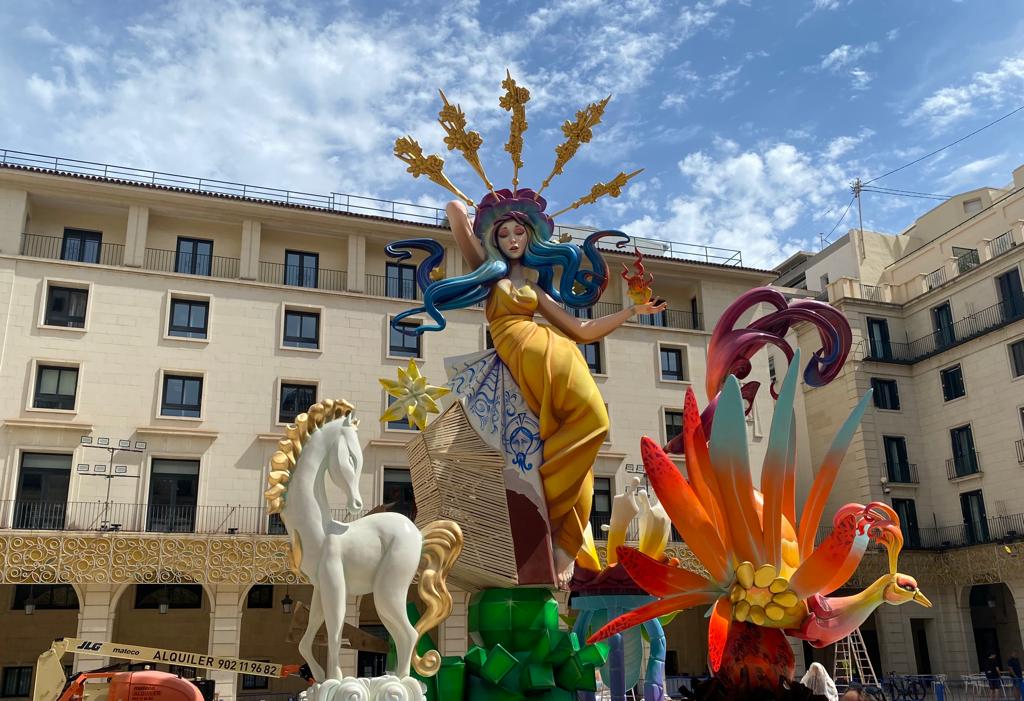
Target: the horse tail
pixel 442 543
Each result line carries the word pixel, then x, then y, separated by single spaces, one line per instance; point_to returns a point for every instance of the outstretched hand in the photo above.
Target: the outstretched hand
pixel 649 308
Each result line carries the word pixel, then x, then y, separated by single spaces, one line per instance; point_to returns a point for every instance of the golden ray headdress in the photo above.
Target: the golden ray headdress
pixel 468 143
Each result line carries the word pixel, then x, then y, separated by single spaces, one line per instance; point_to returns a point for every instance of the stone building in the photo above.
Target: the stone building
pixel 186 321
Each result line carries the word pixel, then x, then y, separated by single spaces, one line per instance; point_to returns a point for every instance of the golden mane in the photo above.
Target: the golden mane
pixel 282 462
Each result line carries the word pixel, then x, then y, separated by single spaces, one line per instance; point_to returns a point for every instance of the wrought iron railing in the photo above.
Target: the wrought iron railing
pixel 53 247
pixel 383 286
pixel 967 261
pixel 1019 445
pixel 963 464
pixel 935 278
pixel 1001 244
pixel 872 293
pixel 34 515
pixel 334 201
pixel 998 529
pixel 302 276
pixel 963 330
pixel 190 263
pixel 671 319
pixel 902 472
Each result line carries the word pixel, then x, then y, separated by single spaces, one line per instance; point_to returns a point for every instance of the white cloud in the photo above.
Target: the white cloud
pixel 749 200
pixel 967 174
pixel 38 33
pixel 845 55
pixel 841 145
pixel 860 78
pixel 944 107
pixel 893 34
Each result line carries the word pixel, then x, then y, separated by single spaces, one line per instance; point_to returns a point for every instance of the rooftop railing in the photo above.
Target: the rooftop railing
pixel 969 327
pixel 334 201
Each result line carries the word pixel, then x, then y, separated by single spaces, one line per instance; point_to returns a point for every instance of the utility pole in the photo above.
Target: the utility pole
pixel 856 188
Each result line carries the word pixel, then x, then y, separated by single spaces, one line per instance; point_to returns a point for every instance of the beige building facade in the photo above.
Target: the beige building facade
pixel 188 325
pixel 937 314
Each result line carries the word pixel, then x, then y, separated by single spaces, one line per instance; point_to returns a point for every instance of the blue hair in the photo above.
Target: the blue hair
pixel 467 290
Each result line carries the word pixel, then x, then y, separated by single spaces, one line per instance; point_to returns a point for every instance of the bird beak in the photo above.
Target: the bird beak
pixel 922 599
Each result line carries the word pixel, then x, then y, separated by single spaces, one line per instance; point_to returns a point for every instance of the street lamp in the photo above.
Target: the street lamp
pixel 165 601
pixel 30 603
pixel 109 471
pixel 286 602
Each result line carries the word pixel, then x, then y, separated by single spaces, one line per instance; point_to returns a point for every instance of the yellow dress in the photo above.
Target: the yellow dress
pixel 558 387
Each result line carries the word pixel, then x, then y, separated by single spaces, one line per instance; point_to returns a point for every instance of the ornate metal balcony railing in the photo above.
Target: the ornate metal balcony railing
pixel 935 278
pixel 334 201
pixel 963 464
pixel 967 261
pixel 190 263
pixel 902 473
pixel 54 248
pixel 1019 445
pixel 998 529
pixel 1001 244
pixel 963 330
pixel 302 276
pixel 25 514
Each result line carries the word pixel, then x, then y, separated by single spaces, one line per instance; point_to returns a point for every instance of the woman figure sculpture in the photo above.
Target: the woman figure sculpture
pixel 520 271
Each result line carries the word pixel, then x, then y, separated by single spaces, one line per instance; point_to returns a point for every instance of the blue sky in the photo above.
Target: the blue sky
pixel 750 118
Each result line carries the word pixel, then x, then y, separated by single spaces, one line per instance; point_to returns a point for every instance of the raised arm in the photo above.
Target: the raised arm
pixel 462 229
pixel 588 330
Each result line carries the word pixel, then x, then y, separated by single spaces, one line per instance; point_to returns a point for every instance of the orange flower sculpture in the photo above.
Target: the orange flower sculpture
pixel 766 578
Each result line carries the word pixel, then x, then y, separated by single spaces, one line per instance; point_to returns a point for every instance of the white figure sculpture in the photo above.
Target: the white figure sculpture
pixel 378 554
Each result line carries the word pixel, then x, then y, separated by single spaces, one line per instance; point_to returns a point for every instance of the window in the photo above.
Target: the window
pixel 401 424
pixel 404 342
pixel 65 306
pixel 488 341
pixel 1017 358
pixel 55 388
pixel 942 322
pixel 906 509
pixel 673 364
pixel 965 458
pixel 601 507
pixel 966 258
pixel 173 490
pixel 177 596
pixel 300 268
pixel 972 506
pixel 82 246
pixel 398 491
pixel 401 281
pixel 660 319
pixel 45 596
pixel 260 596
pixel 582 312
pixel 183 396
pixel 193 256
pixel 952 383
pixel 823 280
pixel 17 681
pixel 673 424
pixel 878 338
pixel 188 318
pixel 887 394
pixel 301 329
pixel 295 399
pixel 592 354
pixel 694 313
pixel 771 370
pixel 253 681
pixel 897 467
pixel 42 496
pixel 972 206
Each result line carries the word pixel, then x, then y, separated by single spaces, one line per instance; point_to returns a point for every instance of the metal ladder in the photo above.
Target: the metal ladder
pixel 852 660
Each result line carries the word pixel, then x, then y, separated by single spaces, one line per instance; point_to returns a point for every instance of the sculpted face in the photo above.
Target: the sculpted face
pixel 512 239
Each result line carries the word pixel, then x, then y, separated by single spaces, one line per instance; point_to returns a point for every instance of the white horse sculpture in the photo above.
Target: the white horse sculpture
pixel 379 554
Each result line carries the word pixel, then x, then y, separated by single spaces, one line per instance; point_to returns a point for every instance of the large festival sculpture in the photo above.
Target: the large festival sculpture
pixel 503 479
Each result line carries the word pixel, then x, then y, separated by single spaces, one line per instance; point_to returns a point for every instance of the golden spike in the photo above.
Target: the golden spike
pixel 453 121
pixel 279 476
pixel 576 133
pixel 514 101
pixel 410 152
pixel 612 188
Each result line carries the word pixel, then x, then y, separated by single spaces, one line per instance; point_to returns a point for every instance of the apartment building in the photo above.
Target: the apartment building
pixel 937 313
pixel 158 333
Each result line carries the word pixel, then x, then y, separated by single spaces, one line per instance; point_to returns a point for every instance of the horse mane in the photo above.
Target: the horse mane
pixel 283 461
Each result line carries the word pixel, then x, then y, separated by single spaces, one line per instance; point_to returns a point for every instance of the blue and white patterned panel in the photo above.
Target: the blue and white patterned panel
pixel 498 412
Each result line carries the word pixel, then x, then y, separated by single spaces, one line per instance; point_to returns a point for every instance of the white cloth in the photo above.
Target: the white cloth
pixel 818 681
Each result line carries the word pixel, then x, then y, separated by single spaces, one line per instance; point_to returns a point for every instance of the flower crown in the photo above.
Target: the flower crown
pixel 468 143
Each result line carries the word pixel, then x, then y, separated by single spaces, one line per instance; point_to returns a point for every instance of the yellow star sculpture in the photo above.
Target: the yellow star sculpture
pixel 414 398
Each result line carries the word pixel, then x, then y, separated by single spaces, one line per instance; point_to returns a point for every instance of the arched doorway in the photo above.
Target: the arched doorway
pixel 171 616
pixel 994 621
pixel 274 618
pixel 32 615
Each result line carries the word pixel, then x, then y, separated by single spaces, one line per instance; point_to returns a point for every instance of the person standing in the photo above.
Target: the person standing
pixel 993 675
pixel 1013 662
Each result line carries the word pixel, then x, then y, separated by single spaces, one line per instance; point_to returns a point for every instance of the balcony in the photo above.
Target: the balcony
pixel 902 473
pixel 383 286
pixel 190 264
pixel 1001 244
pixel 999 529
pixel 302 276
pixel 963 465
pixel 1019 445
pixel 54 248
pixel 966 329
pixel 935 278
pixel 144 518
pixel 671 319
pixel 967 261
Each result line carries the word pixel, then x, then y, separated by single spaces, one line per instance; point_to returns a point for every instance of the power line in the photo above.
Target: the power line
pixel 938 150
pixel 898 191
pixel 940 198
pixel 840 220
